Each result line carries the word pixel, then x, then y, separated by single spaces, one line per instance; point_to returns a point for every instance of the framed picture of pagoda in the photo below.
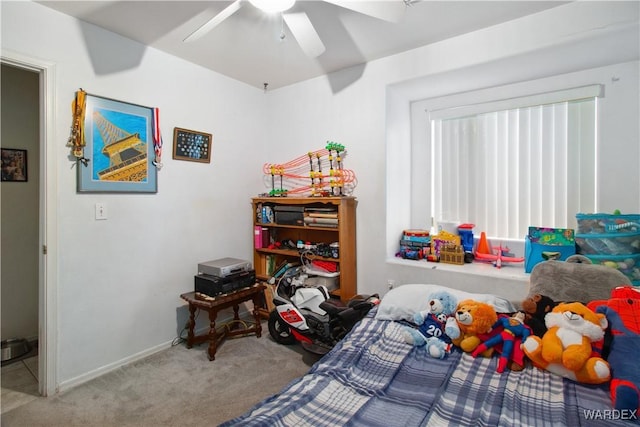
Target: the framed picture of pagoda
pixel 119 150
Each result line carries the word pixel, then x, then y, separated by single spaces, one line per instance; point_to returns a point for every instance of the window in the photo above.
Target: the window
pixel 508 164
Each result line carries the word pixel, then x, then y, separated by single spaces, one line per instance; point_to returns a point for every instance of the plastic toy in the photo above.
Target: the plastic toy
pixel 484 252
pixel 466 236
pixel 414 244
pixel 318 173
pixel 411 253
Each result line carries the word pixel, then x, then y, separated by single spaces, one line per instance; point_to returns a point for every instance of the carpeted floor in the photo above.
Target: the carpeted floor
pixel 175 387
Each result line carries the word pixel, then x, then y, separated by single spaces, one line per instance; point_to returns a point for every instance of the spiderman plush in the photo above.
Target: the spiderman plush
pixel 623 314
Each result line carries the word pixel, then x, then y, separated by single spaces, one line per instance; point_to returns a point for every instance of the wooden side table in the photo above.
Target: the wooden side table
pixel 214 304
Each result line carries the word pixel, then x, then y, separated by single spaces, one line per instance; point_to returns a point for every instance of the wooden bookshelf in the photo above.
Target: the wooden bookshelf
pixel 337 216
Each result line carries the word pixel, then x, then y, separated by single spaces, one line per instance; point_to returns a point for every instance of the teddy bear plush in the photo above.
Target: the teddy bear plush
pixel 566 348
pixel 436 325
pixel 622 311
pixel 475 319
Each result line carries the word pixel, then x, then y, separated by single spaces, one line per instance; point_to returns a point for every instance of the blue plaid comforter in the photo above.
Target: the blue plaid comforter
pixel 373 378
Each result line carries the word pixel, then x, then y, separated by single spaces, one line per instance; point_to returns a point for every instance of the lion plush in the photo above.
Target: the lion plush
pixel 566 347
pixel 474 319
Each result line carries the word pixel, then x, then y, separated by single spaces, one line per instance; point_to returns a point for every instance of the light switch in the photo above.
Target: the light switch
pixel 101 211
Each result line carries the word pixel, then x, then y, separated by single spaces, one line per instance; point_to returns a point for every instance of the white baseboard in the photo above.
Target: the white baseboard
pixel 81 379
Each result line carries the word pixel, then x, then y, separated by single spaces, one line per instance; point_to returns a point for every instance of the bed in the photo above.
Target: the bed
pixel 374 378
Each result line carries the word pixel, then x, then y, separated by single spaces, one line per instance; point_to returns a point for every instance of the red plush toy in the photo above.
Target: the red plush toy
pixel 623 314
pixel 511 333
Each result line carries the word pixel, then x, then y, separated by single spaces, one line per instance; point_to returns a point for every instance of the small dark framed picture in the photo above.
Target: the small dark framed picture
pixel 191 145
pixel 14 165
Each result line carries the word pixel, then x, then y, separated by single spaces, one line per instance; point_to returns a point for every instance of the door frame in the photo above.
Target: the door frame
pixel 47 264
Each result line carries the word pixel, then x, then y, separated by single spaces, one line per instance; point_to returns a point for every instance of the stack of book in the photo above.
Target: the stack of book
pixel 321 217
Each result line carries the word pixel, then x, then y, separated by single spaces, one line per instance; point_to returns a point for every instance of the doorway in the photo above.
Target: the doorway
pixel 40 187
pixel 20 233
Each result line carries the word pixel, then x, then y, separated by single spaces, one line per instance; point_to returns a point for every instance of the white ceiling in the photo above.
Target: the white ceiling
pixel 247 46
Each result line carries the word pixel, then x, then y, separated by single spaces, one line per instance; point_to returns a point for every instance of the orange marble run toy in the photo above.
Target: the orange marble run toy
pixel 319 173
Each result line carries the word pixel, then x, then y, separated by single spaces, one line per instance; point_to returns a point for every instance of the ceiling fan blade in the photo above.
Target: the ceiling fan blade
pixel 391 11
pixel 215 21
pixel 305 34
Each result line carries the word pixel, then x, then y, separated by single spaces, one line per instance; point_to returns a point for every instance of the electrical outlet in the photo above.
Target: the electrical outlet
pixel 391 283
pixel 101 211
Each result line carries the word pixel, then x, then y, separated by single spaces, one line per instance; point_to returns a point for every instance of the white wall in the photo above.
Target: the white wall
pixel 119 280
pixel 371 118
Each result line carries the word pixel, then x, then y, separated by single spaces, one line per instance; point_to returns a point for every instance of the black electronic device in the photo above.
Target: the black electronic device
pixel 214 285
pixel 223 267
pixel 289 215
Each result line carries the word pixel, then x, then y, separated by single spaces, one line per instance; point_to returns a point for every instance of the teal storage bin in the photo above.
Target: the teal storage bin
pixel 627 264
pixel 558 241
pixel 608 243
pixel 607 234
pixel 611 240
pixel 599 223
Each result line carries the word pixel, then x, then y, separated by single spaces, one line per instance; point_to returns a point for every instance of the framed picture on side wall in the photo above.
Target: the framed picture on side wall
pixel 191 145
pixel 119 148
pixel 14 165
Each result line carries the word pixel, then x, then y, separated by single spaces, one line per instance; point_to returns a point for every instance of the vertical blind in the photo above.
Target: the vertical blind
pixel 505 170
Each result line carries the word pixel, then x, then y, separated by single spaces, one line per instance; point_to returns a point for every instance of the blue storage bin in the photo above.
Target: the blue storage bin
pixel 600 223
pixel 559 241
pixel 609 235
pixel 627 264
pixel 608 243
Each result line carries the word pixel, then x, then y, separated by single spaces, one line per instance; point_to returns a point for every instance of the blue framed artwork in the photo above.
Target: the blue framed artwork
pixel 119 148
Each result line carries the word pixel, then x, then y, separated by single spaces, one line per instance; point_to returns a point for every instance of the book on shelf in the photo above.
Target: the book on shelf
pixel 321 215
pixel 320 225
pixel 327 222
pixel 270 267
pixel 261 237
pixel 320 210
pixel 282 268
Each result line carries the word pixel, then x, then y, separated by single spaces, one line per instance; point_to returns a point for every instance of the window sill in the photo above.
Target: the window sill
pixel 509 272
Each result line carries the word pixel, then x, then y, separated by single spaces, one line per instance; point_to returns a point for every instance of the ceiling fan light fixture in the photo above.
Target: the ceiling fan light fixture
pixel 273 6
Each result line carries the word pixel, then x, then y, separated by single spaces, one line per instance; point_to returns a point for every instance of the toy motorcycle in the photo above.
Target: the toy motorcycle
pixel 307 314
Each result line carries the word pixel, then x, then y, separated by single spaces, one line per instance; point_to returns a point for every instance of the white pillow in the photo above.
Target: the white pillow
pixel 402 302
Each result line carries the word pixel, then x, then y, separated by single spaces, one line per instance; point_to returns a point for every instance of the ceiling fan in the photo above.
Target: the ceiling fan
pixel 299 23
